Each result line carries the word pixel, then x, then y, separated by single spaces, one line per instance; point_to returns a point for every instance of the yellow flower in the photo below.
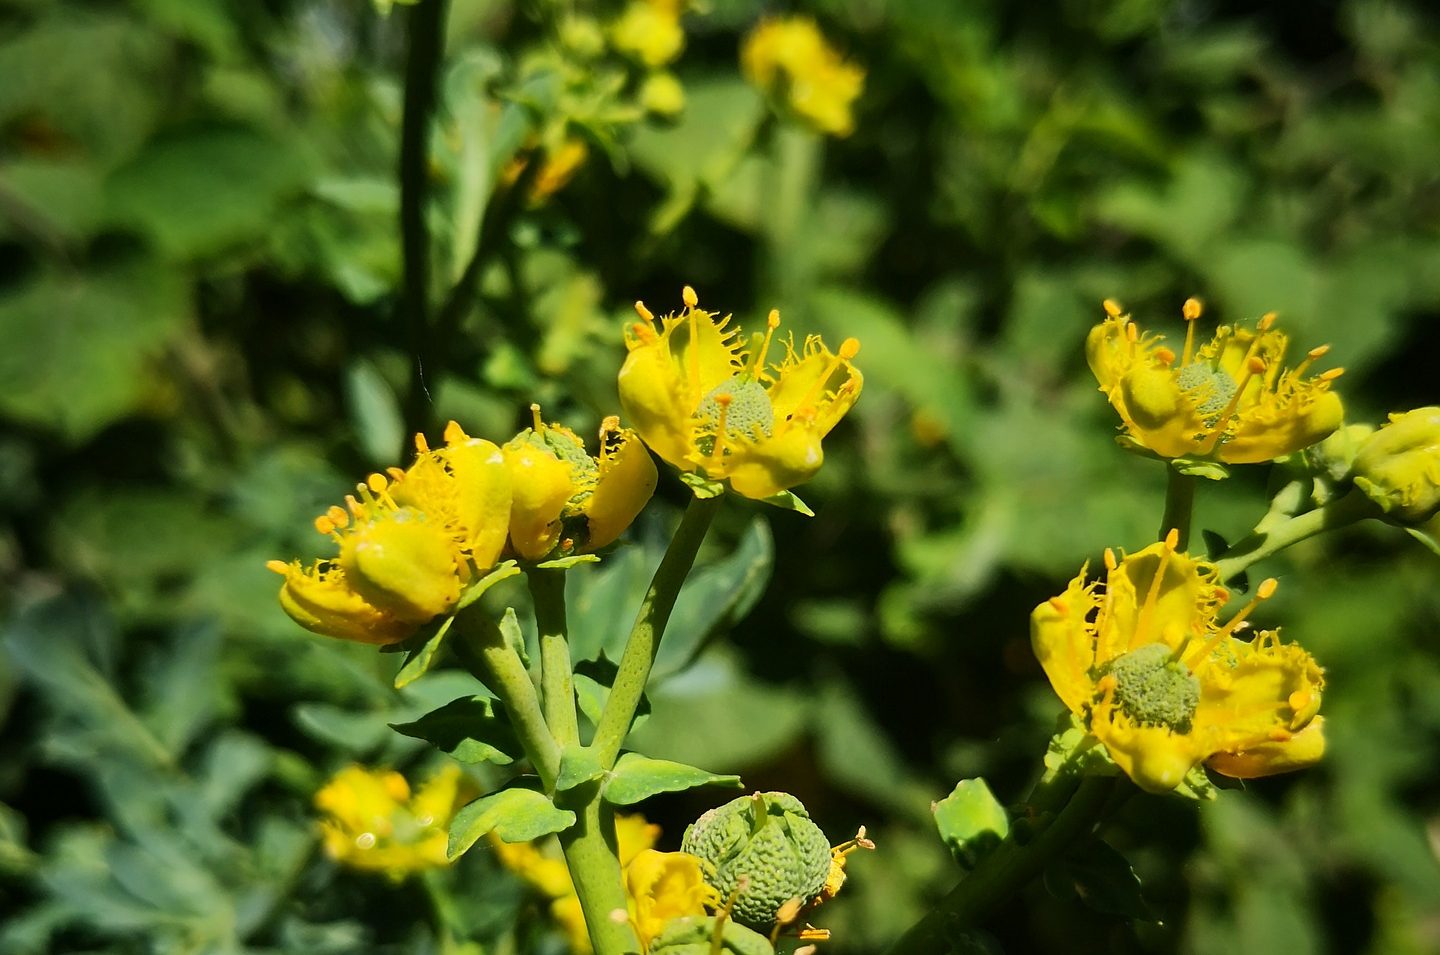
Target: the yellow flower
pixel 789 58
pixel 664 886
pixel 566 502
pixel 707 402
pixel 372 822
pixel 541 865
pixel 649 31
pixel 1398 467
pixel 1231 400
pixel 408 544
pixel 1144 662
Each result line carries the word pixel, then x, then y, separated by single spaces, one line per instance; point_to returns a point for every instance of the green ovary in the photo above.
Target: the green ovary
pixel 1155 689
pixel 1210 388
pixel 749 412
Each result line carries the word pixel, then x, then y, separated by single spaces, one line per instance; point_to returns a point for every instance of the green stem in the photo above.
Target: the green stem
pixel 593 859
pixel 557 682
pixel 426 41
pixel 1005 871
pixel 1261 544
pixel 649 627
pixel 1179 507
pixel 482 648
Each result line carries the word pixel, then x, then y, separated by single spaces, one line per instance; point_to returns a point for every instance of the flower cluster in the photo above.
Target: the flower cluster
pixel 1230 399
pixel 711 403
pixel 660 886
pixel 1143 660
pixel 373 822
pixel 790 59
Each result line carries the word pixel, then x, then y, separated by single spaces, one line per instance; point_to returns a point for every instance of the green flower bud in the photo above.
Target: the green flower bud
pixel 768 841
pixel 692 935
pixel 1335 456
pixel 1398 467
pixel 971 821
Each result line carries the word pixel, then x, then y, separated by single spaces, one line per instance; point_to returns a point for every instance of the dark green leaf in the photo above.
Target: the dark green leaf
pixel 636 778
pixel 516 814
pixel 472 729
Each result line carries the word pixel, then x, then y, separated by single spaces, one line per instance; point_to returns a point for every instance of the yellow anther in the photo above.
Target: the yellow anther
pixel 1110 562
pixel 1112 308
pixel 1319 351
pixel 1332 374
pixel 687 294
pixel 1267 588
pixel 1059 605
pixel 535 421
pixel 1255 364
pixel 644 312
pixel 1165 356
pixel 454 434
pixel 324 525
pixel 337 516
pixel 1266 321
pixel 396 474
pixel 1192 309
pixel 279 566
pixel 788 911
pixel 849 348
pixel 1172 539
pixel 1299 699
pixel 773 319
pixel 421 445
pixel 1132 334
pixel 377 483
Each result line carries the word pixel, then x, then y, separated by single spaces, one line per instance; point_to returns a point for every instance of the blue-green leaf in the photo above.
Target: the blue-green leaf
pixel 516 814
pixel 472 729
pixel 636 778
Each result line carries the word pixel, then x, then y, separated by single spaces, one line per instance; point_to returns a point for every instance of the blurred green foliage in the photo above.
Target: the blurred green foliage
pixel 203 343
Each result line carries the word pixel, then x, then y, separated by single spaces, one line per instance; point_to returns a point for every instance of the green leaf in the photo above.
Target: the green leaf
pixel 1100 878
pixel 703 487
pixel 1426 538
pixel 788 501
pixel 578 766
pixel 374 412
pixel 472 729
pixel 636 778
pixel 513 635
pixel 565 563
pixel 516 814
pixel 971 821
pixel 354 732
pixel 1198 467
pixel 421 649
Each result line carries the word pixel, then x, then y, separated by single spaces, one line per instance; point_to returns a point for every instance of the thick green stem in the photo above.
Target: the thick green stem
pixel 649 627
pixel 426 41
pixel 1179 507
pixel 593 859
pixel 1005 871
pixel 557 682
pixel 1259 545
pixel 482 648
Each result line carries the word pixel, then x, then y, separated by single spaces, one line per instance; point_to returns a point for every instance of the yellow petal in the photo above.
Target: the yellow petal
pixel 542 485
pixel 482 494
pixel 326 605
pixel 765 467
pixel 1155 757
pixel 403 564
pixel 633 835
pixel 1064 645
pixel 1250 692
pixel 655 398
pixel 1264 433
pixel 625 485
pixel 1291 752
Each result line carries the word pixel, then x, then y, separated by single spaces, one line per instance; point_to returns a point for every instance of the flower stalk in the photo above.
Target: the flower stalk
pixel 592 856
pixel 557 681
pixel 1260 544
pixel 1179 506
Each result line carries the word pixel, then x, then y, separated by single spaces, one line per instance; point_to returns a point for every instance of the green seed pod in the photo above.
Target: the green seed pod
pixel 767 840
pixel 692 935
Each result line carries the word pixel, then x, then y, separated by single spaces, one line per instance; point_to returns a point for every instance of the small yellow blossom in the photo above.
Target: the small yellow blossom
pixel 1231 400
pixel 789 58
pixel 1144 662
pixel 408 544
pixel 566 502
pixel 707 402
pixel 372 822
pixel 649 31
pixel 1398 467
pixel 662 94
pixel 664 886
pixel 541 865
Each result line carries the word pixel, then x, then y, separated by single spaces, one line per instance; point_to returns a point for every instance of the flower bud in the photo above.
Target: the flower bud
pixel 1398 467
pixel 1335 456
pixel 971 821
pixel 692 935
pixel 764 851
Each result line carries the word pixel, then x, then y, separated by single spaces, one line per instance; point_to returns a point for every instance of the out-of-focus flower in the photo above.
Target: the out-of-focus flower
pixel 763 851
pixel 1398 467
pixel 707 402
pixel 789 59
pixel 662 94
pixel 566 502
pixel 373 822
pixel 649 31
pixel 541 865
pixel 409 543
pixel 1143 660
pixel 1231 400
pixel 664 886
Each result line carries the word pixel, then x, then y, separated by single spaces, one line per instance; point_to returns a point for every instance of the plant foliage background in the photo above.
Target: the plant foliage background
pixel 199 309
